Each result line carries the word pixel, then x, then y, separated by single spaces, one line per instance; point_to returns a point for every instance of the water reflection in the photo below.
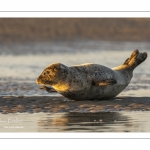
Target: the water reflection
pixel 96 122
pixel 81 121
pixel 76 122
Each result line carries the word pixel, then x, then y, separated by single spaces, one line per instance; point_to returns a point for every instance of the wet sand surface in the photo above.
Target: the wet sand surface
pixel 57 104
pixel 58 114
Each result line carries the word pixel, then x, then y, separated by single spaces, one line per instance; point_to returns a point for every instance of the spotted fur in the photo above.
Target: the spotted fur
pixel 90 81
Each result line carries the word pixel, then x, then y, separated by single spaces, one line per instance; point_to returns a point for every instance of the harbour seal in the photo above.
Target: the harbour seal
pixel 90 81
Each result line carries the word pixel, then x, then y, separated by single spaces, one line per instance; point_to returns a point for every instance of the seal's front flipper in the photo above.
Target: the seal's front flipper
pixel 105 82
pixel 48 89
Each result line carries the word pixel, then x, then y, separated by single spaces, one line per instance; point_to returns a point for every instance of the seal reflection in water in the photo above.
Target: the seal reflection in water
pixel 90 81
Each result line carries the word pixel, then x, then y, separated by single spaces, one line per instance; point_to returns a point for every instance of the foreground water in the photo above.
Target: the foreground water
pixel 76 122
pixel 21 64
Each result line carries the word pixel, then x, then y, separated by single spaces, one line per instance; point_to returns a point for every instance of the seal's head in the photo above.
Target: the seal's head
pixel 52 74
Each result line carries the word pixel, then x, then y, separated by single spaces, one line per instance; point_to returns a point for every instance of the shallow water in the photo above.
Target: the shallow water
pixel 76 122
pixel 21 64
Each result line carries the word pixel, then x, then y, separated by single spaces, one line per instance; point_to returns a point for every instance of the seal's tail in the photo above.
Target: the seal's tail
pixel 135 59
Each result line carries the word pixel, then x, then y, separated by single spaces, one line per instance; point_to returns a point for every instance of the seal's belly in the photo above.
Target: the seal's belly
pixel 106 92
pixel 94 93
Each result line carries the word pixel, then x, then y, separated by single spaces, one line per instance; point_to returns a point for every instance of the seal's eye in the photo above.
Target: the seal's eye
pixel 46 73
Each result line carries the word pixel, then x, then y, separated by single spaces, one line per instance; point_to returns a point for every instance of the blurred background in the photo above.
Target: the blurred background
pixel 48 29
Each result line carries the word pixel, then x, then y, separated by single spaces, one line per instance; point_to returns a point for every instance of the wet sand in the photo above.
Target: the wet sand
pixel 59 104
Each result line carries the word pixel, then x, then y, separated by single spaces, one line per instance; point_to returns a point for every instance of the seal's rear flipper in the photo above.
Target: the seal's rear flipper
pixel 135 59
pixel 105 82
